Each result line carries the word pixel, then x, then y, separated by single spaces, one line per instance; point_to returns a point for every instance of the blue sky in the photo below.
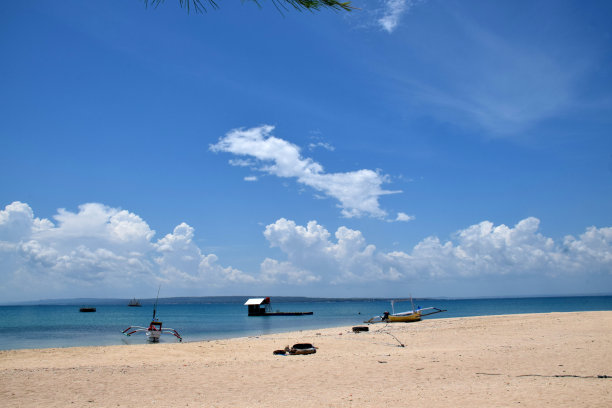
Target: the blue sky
pixel 432 148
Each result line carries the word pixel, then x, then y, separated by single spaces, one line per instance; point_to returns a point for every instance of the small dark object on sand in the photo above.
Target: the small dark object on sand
pixel 358 329
pixel 301 348
pixel 279 352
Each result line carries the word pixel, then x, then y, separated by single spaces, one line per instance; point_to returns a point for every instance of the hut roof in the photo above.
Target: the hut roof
pixel 257 301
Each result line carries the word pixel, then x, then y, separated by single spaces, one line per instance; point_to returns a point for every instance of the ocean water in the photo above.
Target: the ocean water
pixel 64 326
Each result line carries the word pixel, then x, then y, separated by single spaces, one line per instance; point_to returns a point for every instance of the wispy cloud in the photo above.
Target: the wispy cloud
pixel 498 84
pixel 323 145
pixel 392 12
pixel 357 191
pixel 241 162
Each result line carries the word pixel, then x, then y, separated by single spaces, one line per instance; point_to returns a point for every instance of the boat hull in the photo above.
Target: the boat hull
pixel 414 317
pixel 153 336
pixel 283 314
pixel 405 317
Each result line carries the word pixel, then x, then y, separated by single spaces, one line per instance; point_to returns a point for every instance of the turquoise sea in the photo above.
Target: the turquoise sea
pixel 48 326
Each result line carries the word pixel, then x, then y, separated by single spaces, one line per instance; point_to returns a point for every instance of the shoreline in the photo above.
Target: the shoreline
pixel 532 359
pixel 273 333
pixel 27 327
pixel 309 332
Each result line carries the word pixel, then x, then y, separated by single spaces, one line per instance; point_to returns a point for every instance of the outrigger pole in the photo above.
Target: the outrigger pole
pixel 436 311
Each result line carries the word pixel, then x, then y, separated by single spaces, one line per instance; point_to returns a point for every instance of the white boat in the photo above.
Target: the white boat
pixel 153 332
pixel 155 329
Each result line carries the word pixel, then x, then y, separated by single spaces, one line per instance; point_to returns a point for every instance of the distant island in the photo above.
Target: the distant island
pixel 192 300
pixel 276 299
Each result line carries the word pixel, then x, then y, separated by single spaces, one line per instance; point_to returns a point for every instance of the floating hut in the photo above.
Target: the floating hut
pixel 263 307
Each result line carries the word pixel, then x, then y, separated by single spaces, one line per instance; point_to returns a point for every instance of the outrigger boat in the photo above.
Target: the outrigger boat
pixel 404 317
pixel 155 330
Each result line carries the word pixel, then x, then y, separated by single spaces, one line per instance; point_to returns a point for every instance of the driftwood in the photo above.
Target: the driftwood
pixel 554 376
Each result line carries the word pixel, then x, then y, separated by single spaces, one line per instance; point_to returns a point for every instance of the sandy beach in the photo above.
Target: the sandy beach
pixel 535 360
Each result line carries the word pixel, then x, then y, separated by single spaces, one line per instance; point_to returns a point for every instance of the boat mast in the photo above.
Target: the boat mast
pixel 156 299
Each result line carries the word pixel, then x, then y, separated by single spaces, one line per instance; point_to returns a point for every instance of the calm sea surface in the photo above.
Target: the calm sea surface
pixel 64 326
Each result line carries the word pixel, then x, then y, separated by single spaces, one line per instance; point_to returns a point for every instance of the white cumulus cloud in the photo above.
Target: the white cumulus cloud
pixel 481 250
pixel 181 260
pixel 275 272
pixel 96 248
pixel 101 251
pixel 357 191
pixel 310 249
pixel 404 217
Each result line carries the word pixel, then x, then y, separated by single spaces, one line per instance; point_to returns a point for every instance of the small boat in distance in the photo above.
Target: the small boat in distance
pixel 87 309
pixel 134 303
pixel 155 330
pixel 404 317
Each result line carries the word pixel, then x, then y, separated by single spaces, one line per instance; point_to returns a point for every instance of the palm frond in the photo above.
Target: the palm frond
pixel 199 6
pixel 316 5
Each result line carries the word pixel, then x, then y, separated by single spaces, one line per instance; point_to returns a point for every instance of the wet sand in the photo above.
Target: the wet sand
pixel 535 360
